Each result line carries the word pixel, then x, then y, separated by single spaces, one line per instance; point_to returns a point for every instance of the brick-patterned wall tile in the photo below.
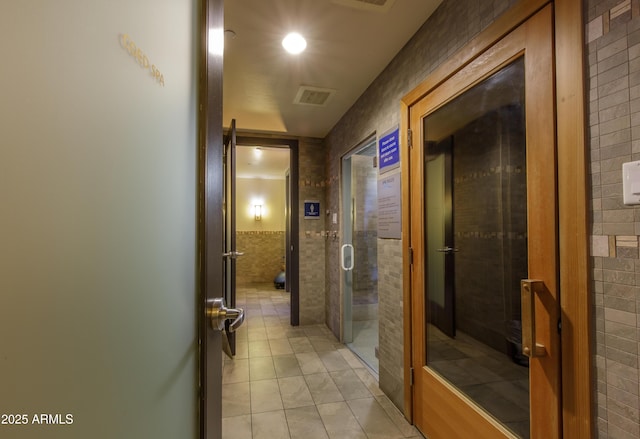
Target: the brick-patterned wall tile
pixel 263 256
pixel 614 115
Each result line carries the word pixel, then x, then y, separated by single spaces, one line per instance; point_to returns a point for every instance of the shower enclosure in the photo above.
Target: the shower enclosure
pixel 359 252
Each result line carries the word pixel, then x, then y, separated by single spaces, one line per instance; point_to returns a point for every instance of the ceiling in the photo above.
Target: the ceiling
pixel 261 163
pixel 349 43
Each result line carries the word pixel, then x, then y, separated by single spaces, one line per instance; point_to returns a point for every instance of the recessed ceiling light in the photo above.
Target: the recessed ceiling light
pixel 294 43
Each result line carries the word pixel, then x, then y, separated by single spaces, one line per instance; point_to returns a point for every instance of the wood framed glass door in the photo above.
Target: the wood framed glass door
pixel 495 372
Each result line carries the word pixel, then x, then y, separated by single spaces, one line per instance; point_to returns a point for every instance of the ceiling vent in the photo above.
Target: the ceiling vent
pixel 316 96
pixel 367 5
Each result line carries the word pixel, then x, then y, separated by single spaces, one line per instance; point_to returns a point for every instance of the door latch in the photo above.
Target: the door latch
pixel 218 313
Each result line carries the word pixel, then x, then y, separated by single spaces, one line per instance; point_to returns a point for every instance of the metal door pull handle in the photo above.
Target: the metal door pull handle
pixel 447 250
pixel 218 313
pixel 343 257
pixel 528 290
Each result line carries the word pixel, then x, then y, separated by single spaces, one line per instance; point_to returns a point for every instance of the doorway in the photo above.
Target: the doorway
pixel 483 234
pixel 359 252
pixel 268 183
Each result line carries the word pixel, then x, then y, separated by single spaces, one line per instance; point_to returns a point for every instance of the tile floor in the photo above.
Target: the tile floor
pixel 299 382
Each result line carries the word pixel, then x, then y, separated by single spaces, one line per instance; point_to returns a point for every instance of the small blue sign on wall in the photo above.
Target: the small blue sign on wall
pixel 389 150
pixel 311 209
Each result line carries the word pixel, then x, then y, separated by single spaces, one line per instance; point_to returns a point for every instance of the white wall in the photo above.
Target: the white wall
pixel 271 194
pixel 97 218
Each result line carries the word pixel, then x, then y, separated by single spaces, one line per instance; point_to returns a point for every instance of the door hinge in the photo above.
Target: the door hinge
pixel 410 256
pixel 409 138
pixel 411 380
pixel 559 326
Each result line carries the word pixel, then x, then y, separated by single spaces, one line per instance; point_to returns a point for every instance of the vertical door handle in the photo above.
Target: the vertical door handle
pixel 218 313
pixel 342 257
pixel 528 290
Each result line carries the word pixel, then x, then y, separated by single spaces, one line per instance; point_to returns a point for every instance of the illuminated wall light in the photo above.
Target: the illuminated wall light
pixel 257 211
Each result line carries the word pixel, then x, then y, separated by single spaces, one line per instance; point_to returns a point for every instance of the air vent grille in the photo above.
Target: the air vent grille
pixel 368 5
pixel 374 2
pixel 313 96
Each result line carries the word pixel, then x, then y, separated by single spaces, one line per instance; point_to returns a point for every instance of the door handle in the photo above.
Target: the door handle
pixel 528 290
pixel 233 254
pixel 448 250
pixel 218 313
pixel 342 257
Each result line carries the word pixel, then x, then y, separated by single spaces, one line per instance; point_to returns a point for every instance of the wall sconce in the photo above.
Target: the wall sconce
pixel 257 210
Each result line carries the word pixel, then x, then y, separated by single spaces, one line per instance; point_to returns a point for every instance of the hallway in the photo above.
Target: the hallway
pixel 299 382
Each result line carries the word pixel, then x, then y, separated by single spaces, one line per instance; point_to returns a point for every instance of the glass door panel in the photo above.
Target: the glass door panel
pixel 359 252
pixel 476 202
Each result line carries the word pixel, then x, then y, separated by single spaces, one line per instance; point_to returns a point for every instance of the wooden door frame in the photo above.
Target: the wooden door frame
pixel 574 264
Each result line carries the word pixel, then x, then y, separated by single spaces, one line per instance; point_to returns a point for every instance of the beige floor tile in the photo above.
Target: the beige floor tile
pixel 261 368
pixel 350 385
pixel 259 348
pixel 272 321
pixel 340 422
pixel 397 417
pixel 305 423
pixel 237 427
pixel 294 392
pixel 322 388
pixel 280 347
pixel 242 349
pixel 310 363
pixel 254 321
pixel 286 366
pixel 276 333
pixel 270 425
pixel 236 399
pixel 255 334
pixel 314 330
pixel 321 344
pixel 294 332
pixel 333 361
pixel 300 344
pixel 265 396
pixel 311 367
pixel 369 381
pixel 373 419
pixel 235 371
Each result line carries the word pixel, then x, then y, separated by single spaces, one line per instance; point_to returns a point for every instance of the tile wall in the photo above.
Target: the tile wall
pixel 263 256
pixel 613 46
pixel 313 239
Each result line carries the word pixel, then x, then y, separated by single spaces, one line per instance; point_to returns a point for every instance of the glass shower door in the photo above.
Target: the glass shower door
pixel 359 252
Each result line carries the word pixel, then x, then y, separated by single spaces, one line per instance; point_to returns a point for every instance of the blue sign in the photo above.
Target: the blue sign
pixel 389 151
pixel 312 210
